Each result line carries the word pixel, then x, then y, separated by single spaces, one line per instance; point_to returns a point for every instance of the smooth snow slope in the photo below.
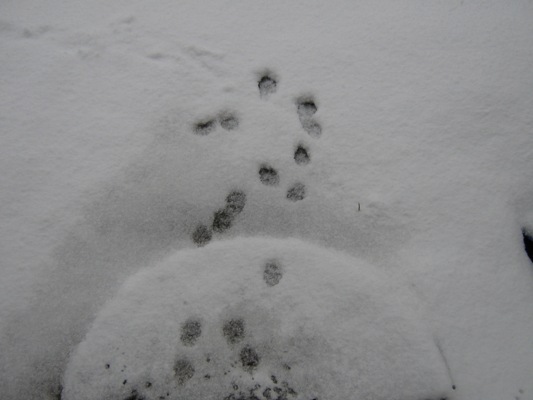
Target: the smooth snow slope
pixel 426 123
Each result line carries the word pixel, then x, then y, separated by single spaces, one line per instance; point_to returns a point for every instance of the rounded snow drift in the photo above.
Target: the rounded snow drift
pixel 258 319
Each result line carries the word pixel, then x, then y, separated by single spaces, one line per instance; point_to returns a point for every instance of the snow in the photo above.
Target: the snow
pixel 328 325
pixel 423 168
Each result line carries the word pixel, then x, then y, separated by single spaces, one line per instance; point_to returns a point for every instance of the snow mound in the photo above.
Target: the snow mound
pixel 258 318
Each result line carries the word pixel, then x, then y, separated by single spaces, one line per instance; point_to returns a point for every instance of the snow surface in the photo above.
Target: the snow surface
pixel 423 168
pixel 328 325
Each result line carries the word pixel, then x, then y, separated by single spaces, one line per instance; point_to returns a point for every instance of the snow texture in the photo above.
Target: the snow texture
pixel 258 319
pixel 398 133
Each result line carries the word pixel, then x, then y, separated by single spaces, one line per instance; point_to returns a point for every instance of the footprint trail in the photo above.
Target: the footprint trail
pixel 191 188
pixel 258 319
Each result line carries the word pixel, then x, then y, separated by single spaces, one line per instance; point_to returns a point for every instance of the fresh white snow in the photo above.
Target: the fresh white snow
pixel 423 168
pixel 279 313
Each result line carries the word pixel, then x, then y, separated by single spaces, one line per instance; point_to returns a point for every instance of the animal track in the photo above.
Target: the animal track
pixel 233 330
pixel 153 208
pixel 228 121
pixel 224 218
pixel 249 358
pixel 236 201
pixel 313 128
pixel 205 128
pixel 202 235
pixel 268 175
pixel 190 332
pixel 306 108
pixel 296 192
pixel 267 85
pixel 301 155
pixel 272 273
pixel 183 370
pixel 235 322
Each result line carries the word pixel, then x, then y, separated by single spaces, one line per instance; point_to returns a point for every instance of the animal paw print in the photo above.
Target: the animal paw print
pixel 248 360
pixel 227 120
pixel 305 109
pixel 156 204
pixel 223 218
pixel 268 175
pixel 257 319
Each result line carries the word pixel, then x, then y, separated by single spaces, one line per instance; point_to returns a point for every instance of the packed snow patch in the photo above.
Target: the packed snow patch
pixel 258 318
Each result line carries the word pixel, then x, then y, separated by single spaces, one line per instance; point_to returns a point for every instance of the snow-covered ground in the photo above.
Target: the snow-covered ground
pixel 395 137
pixel 259 315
